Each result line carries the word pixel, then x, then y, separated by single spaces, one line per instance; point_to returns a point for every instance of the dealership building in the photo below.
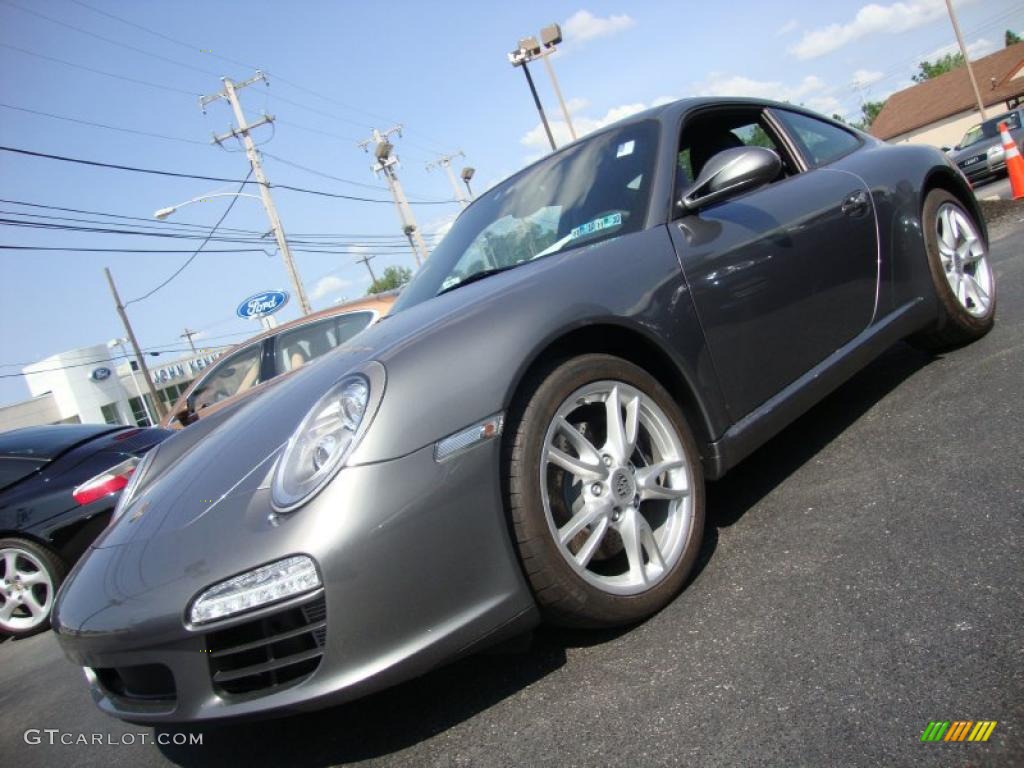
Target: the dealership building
pixel 96 385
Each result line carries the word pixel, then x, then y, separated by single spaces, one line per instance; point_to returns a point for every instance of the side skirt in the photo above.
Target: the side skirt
pixel 772 416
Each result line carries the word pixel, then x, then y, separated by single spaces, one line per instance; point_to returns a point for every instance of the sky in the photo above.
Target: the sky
pixel 337 70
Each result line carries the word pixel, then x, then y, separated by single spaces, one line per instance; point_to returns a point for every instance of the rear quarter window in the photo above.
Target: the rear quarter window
pixel 821 142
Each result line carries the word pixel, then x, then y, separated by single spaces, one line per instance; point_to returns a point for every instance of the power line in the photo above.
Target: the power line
pixel 191 141
pixel 100 360
pixel 191 258
pixel 321 173
pixel 179 235
pixel 6 247
pixel 147 83
pixel 194 226
pixel 161 35
pixel 103 125
pixel 175 174
pixel 275 76
pixel 117 43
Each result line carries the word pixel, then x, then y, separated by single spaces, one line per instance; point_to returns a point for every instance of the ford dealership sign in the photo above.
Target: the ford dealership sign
pixel 262 304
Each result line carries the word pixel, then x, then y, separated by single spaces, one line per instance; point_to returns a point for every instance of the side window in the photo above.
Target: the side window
pixel 822 142
pixel 230 376
pixel 297 347
pixel 705 135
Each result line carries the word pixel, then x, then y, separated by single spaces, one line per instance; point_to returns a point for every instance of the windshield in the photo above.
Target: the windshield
pixel 990 129
pixel 595 190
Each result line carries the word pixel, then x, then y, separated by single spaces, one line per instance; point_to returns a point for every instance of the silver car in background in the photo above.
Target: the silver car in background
pixel 980 153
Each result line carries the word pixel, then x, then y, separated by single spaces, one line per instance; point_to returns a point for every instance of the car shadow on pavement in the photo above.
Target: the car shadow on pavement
pixel 770 465
pixel 395 719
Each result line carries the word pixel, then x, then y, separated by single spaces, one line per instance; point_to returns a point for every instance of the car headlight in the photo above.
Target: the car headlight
pixel 996 152
pixel 325 439
pixel 261 586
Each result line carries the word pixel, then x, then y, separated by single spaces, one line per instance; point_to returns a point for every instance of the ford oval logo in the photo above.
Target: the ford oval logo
pixel 100 374
pixel 262 304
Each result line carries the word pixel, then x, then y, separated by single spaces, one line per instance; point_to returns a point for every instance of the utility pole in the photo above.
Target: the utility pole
pixel 967 61
pixel 366 260
pixel 230 94
pixel 386 162
pixel 445 161
pixel 157 403
pixel 188 335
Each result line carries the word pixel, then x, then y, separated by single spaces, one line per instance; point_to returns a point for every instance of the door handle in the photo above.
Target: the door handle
pixel 856 203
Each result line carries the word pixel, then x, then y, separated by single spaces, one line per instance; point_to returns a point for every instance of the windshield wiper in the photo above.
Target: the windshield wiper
pixel 478 276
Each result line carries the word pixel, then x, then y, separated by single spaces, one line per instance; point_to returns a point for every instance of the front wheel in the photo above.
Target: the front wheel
pixel 961 274
pixel 605 491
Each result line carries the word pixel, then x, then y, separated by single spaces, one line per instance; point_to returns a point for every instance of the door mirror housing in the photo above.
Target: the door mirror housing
pixel 729 173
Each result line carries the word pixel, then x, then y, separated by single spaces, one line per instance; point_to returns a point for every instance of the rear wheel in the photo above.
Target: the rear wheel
pixel 961 274
pixel 605 492
pixel 29 577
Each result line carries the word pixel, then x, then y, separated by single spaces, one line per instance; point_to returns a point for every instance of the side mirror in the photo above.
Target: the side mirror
pixel 729 173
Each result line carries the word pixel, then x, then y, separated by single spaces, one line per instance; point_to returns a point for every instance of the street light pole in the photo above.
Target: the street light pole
pixel 967 61
pixel 536 100
pixel 157 404
pixel 138 391
pixel 551 36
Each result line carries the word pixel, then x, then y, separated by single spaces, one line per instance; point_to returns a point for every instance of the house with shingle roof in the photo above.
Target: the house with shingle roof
pixel 941 110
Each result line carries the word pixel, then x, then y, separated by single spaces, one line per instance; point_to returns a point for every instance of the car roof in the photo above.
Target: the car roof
pixel 49 442
pixel 667 113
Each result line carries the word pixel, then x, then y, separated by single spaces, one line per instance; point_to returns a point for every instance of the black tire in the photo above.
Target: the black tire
pixel 564 597
pixel 955 326
pixel 55 568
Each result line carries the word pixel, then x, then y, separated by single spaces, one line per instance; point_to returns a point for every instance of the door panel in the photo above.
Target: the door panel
pixel 781 277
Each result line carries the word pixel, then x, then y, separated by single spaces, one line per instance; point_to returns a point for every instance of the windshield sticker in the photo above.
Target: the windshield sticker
pixel 626 148
pixel 605 222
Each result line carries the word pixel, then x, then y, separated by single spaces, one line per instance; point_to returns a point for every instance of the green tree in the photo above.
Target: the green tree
pixel 932 69
pixel 868 112
pixel 1012 38
pixel 393 277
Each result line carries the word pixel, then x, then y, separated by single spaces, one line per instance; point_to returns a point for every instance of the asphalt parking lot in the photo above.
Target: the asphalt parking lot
pixel 999 188
pixel 862 575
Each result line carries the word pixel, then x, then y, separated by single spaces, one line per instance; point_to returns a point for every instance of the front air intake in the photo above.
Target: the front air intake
pixel 266 654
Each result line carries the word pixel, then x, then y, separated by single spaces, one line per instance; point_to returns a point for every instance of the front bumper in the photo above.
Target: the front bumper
pixel 984 170
pixel 417 568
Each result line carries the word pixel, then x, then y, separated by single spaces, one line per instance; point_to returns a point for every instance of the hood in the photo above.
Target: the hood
pixel 198 468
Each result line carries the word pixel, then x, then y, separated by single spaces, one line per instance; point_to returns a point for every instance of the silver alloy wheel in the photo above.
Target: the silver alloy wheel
pixel 26 590
pixel 964 259
pixel 620 512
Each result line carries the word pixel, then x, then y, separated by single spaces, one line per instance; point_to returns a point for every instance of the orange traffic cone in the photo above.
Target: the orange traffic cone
pixel 1014 162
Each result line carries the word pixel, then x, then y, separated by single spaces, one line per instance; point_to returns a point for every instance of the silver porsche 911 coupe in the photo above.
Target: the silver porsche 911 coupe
pixel 527 436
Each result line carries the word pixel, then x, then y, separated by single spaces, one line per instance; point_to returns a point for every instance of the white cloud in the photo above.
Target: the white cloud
pixel 535 138
pixel 869 20
pixel 583 26
pixel 811 91
pixel 325 286
pixel 980 47
pixel 790 26
pixel 862 78
pixel 440 226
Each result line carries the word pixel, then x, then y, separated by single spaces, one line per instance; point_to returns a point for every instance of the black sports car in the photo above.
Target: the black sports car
pixel 58 486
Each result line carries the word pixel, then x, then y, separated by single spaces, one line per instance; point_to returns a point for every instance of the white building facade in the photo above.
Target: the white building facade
pixel 95 385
